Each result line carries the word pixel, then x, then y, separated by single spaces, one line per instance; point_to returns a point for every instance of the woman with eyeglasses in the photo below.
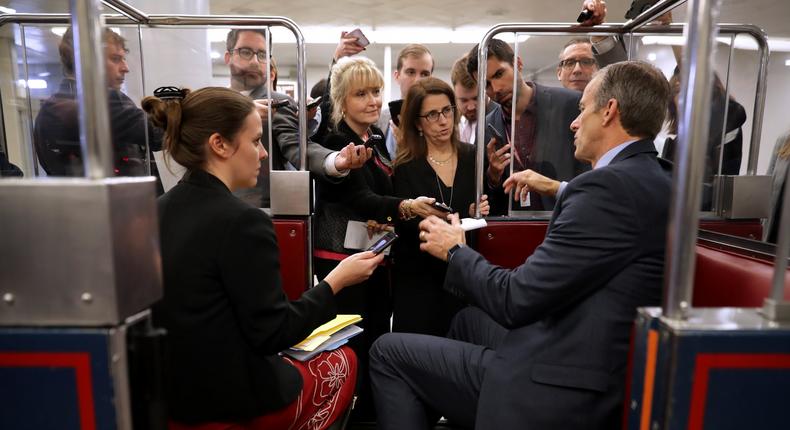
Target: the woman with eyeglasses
pixel 365 196
pixel 431 162
pixel 226 314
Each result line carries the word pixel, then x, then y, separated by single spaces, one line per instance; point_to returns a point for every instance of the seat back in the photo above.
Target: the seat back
pixel 292 241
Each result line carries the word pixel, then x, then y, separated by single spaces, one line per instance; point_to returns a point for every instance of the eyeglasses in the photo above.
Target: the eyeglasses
pixel 433 115
pixel 247 54
pixel 584 62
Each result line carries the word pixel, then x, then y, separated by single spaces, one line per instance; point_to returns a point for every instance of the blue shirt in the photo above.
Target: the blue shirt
pixel 602 162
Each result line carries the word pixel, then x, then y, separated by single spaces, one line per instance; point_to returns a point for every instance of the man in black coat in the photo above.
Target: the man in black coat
pixel 542 140
pixel 545 345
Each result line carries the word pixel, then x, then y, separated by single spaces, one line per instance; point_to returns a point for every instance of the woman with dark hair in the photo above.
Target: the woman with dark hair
pixel 431 162
pixel 365 196
pixel 226 315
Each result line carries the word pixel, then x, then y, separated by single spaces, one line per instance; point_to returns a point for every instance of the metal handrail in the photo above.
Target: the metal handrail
pixel 650 14
pixel 203 20
pixel 128 10
pixel 569 29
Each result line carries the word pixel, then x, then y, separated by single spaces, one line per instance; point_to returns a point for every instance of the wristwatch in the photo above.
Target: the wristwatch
pixel 452 250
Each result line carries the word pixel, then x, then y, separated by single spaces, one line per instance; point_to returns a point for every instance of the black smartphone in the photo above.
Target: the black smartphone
pixel 314 103
pixel 383 243
pixel 500 139
pixel 374 140
pixel 639 6
pixel 279 103
pixel 584 16
pixel 442 207
pixel 395 107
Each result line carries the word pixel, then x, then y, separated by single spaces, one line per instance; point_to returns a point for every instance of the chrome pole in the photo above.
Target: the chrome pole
pixel 91 89
pixel 652 13
pixel 128 10
pixel 693 129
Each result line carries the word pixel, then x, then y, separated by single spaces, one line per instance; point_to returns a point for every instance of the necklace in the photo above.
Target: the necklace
pixel 440 162
pixel 441 194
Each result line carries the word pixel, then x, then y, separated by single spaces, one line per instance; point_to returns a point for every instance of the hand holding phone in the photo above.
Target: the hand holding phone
pixel 314 103
pixel 374 140
pixel 383 243
pixel 361 39
pixel 497 135
pixel 442 207
pixel 584 15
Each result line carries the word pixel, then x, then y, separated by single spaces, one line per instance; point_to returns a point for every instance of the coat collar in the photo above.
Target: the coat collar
pixel 638 147
pixel 202 178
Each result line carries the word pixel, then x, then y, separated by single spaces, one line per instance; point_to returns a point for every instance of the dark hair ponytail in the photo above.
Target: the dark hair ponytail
pixel 190 120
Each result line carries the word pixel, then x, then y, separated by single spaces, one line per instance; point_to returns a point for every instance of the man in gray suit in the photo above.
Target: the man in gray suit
pixel 543 140
pixel 246 58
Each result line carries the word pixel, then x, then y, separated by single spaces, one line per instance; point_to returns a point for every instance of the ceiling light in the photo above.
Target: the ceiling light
pixel 652 56
pixel 43 74
pixel 787 63
pixel 7 10
pixel 215 55
pixel 33 84
pixel 60 31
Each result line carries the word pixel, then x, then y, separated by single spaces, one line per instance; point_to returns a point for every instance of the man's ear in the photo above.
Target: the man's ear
pixel 519 64
pixel 219 146
pixel 610 112
pixel 227 58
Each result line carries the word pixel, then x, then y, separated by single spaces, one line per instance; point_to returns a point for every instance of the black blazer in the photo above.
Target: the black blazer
pixel 570 307
pixel 225 312
pixel 365 194
pixel 553 150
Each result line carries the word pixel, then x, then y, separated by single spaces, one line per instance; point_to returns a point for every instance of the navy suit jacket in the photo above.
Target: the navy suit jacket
pixel 570 307
pixel 553 150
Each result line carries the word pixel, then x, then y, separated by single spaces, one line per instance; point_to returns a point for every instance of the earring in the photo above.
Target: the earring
pixel 420 132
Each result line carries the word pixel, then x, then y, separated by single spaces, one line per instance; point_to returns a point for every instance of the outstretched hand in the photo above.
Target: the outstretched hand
pixel 352 157
pixel 347 46
pixel 529 180
pixel 353 269
pixel 598 9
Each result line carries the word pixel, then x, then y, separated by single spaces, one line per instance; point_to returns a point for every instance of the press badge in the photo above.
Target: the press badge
pixel 525 199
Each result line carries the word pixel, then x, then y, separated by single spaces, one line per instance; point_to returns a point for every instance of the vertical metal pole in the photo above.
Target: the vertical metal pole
pixel 301 88
pixel 91 88
pixel 482 65
pixel 695 95
pixel 29 149
pixel 759 104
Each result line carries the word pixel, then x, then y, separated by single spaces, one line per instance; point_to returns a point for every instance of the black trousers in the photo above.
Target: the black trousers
pixel 418 378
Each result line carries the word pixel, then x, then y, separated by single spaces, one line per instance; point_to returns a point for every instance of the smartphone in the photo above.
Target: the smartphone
pixel 279 103
pixel 361 39
pixel 395 107
pixel 442 207
pixel 374 140
pixel 500 139
pixel 314 103
pixel 584 16
pixel 383 243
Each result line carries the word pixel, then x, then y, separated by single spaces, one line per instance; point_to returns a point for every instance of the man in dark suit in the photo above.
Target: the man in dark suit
pixel 542 141
pixel 544 346
pixel 246 58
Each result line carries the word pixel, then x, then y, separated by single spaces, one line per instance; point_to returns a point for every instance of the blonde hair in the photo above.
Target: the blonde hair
pixel 349 74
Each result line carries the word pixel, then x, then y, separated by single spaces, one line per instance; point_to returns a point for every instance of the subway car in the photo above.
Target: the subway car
pixel 87 341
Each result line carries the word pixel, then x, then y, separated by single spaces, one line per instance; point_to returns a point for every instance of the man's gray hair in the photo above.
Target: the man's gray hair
pixel 642 93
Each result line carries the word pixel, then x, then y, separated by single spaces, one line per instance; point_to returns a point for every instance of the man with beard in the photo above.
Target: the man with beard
pixel 465 88
pixel 246 57
pixel 543 141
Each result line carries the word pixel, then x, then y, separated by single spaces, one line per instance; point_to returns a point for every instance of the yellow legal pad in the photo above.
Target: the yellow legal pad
pixel 325 331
